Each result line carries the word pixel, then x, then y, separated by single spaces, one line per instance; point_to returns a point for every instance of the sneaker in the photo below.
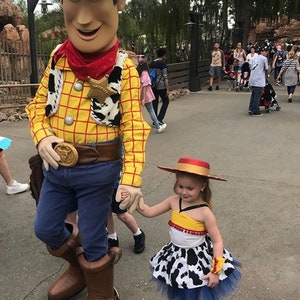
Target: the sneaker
pixel 210 88
pixel 16 188
pixel 217 88
pixel 258 114
pixel 139 243
pixel 113 243
pixel 161 128
pixel 250 112
pixel 290 100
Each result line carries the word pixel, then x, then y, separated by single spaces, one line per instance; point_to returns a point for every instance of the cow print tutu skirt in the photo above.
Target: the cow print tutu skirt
pixel 178 272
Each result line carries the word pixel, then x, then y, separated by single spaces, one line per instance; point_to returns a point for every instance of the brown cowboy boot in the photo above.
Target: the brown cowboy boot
pixel 71 282
pixel 99 275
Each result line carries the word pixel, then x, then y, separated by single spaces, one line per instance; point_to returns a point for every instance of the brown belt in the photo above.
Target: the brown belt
pixel 72 154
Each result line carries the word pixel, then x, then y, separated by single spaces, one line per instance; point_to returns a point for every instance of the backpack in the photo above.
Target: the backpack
pixel 153 75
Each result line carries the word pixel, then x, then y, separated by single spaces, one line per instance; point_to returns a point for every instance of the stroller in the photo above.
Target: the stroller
pixel 268 98
pixel 244 81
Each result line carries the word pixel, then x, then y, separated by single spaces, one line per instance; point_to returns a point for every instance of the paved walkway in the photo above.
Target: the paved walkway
pixel 258 209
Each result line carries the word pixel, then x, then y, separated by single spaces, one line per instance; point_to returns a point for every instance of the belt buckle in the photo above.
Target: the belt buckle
pixel 68 154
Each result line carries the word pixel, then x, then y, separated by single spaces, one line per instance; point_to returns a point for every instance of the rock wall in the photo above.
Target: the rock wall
pixel 10 13
pixel 283 31
pixel 14 44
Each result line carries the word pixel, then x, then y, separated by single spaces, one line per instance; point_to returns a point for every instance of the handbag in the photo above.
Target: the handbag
pixel 36 177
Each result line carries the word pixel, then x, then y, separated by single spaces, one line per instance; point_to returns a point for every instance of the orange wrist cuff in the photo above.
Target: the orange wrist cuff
pixel 217 265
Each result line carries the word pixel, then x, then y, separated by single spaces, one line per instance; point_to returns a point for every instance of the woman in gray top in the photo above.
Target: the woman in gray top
pixel 290 71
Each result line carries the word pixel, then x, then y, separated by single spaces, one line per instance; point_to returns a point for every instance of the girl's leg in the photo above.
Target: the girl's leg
pixel 4 170
pixel 291 91
pixel 152 114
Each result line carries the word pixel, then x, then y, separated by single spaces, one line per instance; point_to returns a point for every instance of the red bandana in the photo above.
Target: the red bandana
pixel 95 65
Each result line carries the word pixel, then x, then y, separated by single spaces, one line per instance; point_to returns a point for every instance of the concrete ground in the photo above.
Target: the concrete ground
pixel 258 209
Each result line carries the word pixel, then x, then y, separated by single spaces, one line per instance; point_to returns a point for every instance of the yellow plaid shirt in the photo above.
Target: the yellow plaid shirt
pixel 133 129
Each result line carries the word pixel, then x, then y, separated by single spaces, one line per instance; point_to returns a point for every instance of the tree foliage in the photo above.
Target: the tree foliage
pixel 148 25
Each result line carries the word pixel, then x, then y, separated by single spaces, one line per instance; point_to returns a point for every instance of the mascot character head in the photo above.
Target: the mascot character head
pixel 92 24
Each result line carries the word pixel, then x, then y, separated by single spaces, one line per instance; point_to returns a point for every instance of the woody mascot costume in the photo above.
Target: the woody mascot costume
pixel 86 107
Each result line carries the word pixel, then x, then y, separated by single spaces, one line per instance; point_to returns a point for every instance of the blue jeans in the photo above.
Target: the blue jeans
pixel 165 103
pixel 152 114
pixel 254 99
pixel 291 89
pixel 87 188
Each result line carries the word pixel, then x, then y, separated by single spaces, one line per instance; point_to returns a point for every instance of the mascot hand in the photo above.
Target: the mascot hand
pixel 47 153
pixel 130 197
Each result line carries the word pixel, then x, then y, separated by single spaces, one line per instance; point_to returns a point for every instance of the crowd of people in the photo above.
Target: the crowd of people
pixel 252 69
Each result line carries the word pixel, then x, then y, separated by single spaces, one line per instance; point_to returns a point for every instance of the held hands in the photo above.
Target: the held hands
pixel 213 279
pixel 47 153
pixel 130 197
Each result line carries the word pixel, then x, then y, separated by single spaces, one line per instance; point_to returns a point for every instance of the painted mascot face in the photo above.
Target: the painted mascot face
pixel 92 24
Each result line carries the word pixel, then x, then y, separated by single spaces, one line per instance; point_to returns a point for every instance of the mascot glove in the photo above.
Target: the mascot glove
pixel 47 153
pixel 130 197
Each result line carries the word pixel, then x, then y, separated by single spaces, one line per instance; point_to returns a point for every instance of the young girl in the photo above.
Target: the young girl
pixel 194 265
pixel 147 95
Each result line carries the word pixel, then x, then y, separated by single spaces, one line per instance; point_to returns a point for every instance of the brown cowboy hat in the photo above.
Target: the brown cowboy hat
pixel 193 166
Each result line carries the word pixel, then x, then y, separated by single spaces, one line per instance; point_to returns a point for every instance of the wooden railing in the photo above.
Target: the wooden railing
pixel 179 74
pixel 15 95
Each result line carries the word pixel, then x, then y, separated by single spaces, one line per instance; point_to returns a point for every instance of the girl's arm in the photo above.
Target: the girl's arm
pixel 214 233
pixel 218 260
pixel 156 210
pixel 143 96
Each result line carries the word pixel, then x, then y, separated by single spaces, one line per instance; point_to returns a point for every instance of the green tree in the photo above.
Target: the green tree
pixel 147 25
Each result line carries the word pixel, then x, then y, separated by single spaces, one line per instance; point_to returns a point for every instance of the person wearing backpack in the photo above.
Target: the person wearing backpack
pixel 278 60
pixel 160 84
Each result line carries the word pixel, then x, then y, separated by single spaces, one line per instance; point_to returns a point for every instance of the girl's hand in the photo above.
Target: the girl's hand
pixel 213 279
pixel 143 102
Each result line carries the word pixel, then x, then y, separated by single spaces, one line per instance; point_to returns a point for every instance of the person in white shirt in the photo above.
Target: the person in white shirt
pixel 259 72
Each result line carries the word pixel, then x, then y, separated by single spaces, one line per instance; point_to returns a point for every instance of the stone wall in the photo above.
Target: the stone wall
pixel 14 44
pixel 283 31
pixel 10 14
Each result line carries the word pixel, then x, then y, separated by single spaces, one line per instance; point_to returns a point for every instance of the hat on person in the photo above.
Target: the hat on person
pixel 193 166
pixel 265 48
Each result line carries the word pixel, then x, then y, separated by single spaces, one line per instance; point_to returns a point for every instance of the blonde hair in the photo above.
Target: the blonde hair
pixel 291 54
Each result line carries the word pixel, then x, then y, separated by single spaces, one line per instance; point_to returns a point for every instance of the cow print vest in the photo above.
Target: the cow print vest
pixel 107 114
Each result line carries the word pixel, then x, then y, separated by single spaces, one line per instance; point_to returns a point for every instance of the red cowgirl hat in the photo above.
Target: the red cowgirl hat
pixel 194 166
